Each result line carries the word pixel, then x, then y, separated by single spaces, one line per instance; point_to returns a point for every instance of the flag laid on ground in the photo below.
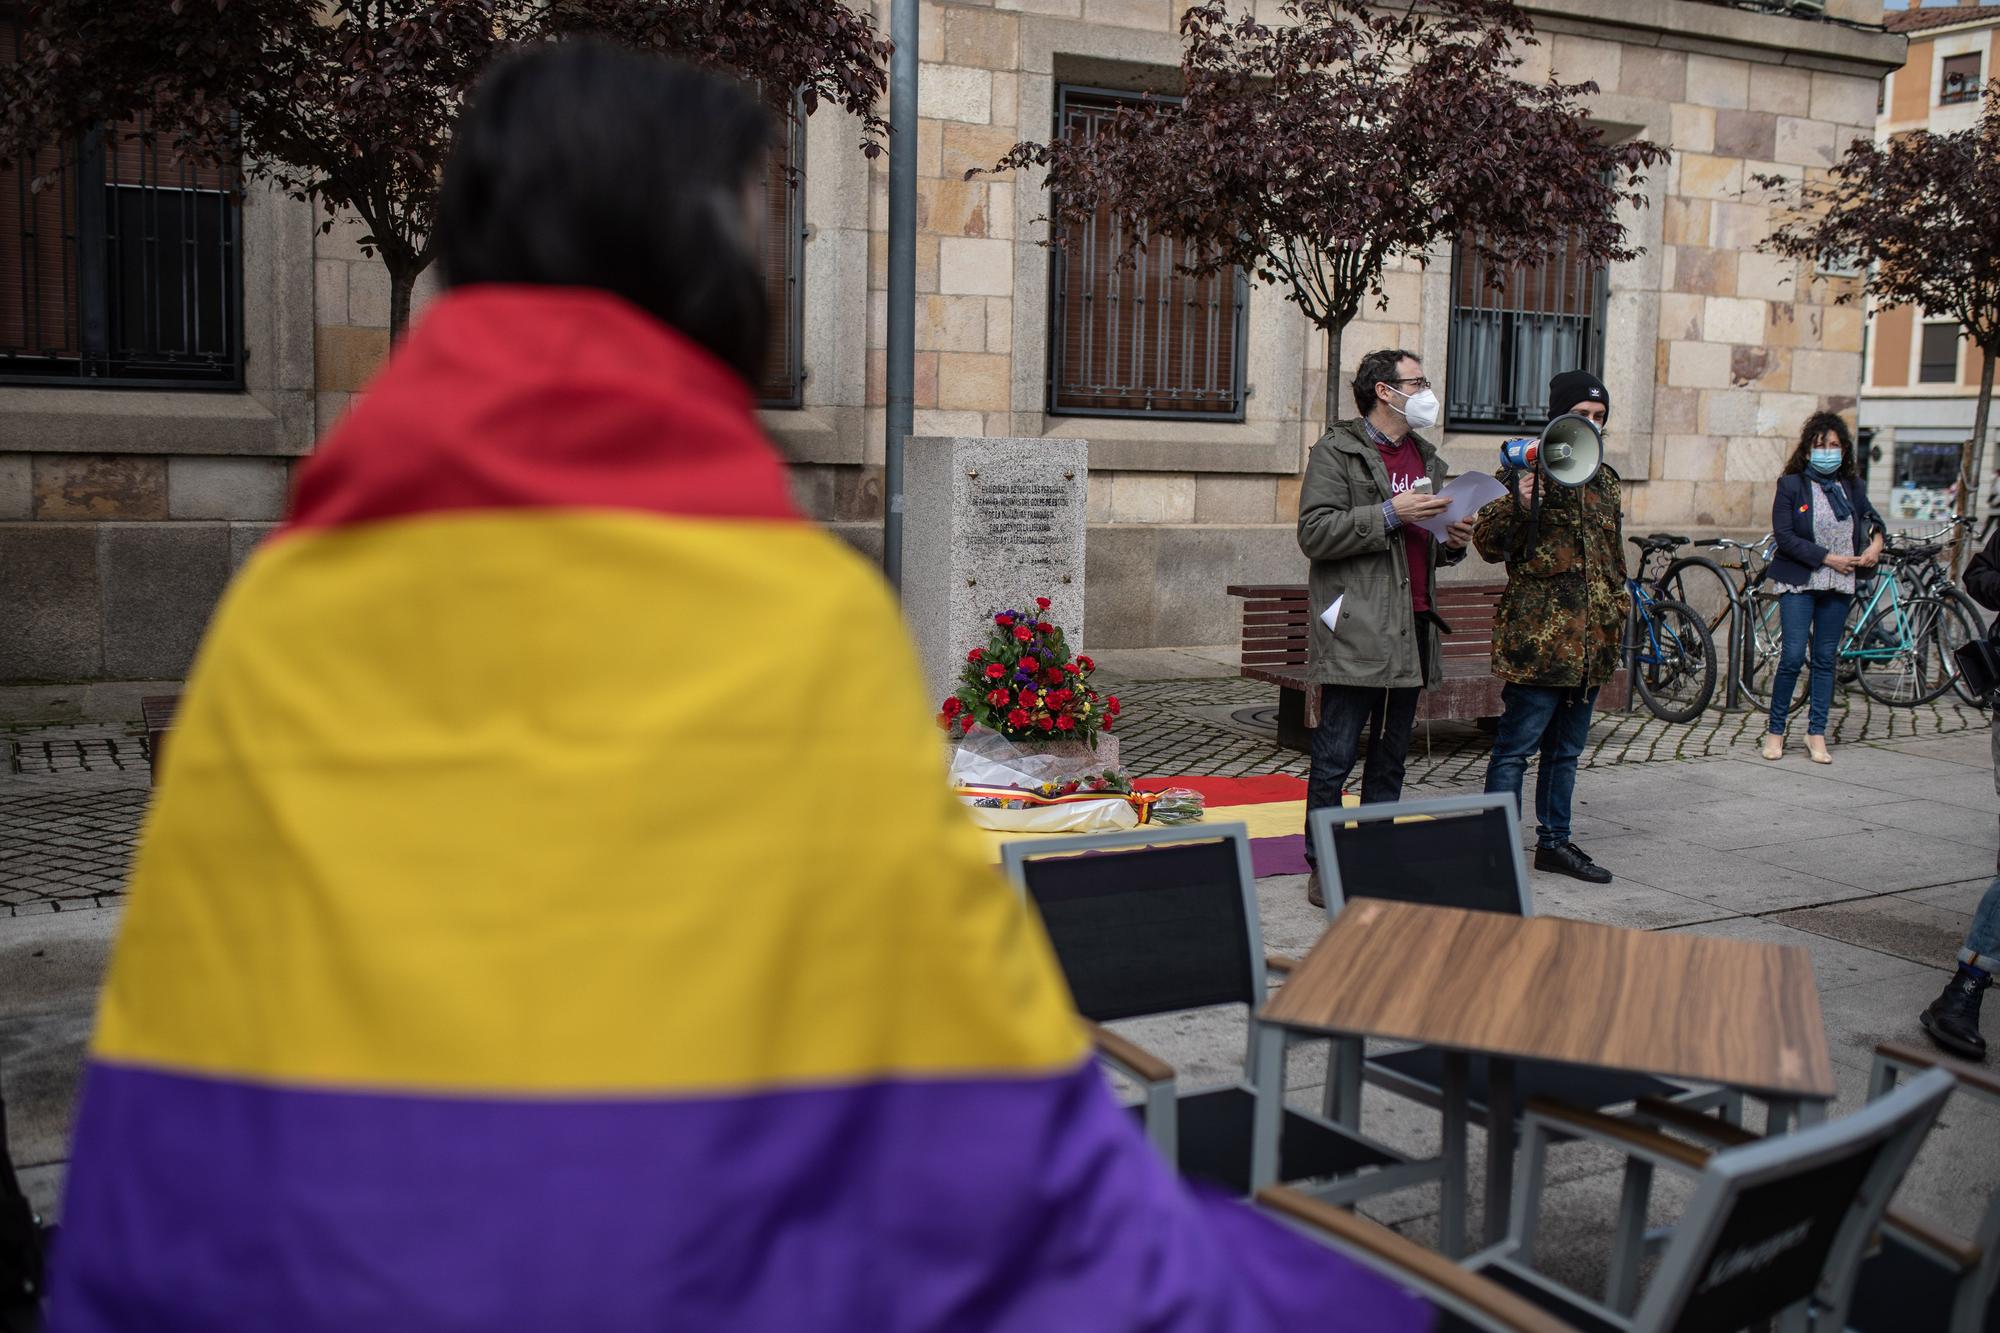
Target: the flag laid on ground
pixel 479 974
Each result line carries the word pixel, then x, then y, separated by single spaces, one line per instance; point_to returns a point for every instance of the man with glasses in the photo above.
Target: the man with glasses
pixel 1368 484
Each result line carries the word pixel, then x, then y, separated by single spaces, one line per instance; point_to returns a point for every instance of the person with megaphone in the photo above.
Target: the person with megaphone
pixel 1560 623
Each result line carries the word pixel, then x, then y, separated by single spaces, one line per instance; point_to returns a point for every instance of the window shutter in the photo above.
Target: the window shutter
pixel 38 315
pixel 780 255
pixel 1143 340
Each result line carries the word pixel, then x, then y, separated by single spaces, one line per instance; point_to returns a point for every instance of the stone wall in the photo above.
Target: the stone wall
pixel 122 513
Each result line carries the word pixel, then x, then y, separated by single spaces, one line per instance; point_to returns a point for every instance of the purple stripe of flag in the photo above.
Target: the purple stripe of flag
pixel 1031 1204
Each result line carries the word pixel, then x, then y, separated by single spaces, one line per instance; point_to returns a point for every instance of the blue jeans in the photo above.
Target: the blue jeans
pixel 1344 710
pixel 1982 942
pixel 1554 722
pixel 1820 616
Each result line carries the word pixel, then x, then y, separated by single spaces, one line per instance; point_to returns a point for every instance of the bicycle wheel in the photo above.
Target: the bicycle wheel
pixel 1673 665
pixel 1701 584
pixel 1901 663
pixel 1763 645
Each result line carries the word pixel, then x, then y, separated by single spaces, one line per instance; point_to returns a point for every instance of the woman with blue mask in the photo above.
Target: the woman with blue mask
pixel 1826 531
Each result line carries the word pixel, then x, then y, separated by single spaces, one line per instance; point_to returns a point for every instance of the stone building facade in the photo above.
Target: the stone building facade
pixel 1922 378
pixel 124 510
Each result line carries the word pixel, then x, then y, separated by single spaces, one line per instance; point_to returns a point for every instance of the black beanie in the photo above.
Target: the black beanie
pixel 1577 386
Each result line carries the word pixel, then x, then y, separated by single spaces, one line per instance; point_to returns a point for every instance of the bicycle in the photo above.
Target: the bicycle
pixel 1669 654
pixel 1899 653
pixel 1934 580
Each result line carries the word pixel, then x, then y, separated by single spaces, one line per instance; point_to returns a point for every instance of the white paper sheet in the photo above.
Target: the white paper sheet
pixel 1331 616
pixel 1468 495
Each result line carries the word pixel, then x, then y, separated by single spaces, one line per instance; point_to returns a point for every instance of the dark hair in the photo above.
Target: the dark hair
pixel 1377 368
pixel 581 164
pixel 1818 424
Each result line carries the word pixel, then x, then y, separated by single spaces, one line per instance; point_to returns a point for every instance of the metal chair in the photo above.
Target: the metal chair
pixel 1923 1279
pixel 1453 851
pixel 1163 921
pixel 1776 1229
pixel 1462 1299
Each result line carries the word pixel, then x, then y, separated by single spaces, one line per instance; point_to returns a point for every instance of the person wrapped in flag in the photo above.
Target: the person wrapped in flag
pixel 476 974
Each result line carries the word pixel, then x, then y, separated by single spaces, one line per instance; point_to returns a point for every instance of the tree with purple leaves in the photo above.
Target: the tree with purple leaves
pixel 1918 213
pixel 353 103
pixel 1316 151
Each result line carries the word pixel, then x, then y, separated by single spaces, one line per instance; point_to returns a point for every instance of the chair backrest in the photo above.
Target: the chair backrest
pixel 1893 1061
pixel 1148 922
pixel 1451 851
pixel 1777 1221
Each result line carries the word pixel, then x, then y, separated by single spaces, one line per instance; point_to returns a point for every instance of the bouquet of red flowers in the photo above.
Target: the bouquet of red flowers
pixel 1024 685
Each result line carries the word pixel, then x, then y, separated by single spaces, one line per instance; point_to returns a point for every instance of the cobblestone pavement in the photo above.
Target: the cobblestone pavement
pixel 72 797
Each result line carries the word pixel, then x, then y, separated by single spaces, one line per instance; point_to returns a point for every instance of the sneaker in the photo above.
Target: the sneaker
pixel 1314 894
pixel 1570 859
pixel 1953 1018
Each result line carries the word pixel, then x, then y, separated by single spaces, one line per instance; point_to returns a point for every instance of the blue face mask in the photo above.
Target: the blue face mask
pixel 1826 462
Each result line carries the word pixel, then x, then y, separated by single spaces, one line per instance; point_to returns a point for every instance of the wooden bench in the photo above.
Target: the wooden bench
pixel 1275 638
pixel 158 710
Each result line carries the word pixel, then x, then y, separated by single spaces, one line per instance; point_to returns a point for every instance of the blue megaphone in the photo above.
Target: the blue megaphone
pixel 1569 451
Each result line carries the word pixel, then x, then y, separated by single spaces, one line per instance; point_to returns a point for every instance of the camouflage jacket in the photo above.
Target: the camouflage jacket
pixel 1562 619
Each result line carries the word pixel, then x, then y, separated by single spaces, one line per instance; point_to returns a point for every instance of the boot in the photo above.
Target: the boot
pixel 1314 894
pixel 1953 1018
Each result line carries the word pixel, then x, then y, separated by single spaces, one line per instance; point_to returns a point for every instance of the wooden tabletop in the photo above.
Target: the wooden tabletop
pixel 1678 1005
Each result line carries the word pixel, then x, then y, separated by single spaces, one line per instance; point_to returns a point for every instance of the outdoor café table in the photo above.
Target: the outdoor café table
pixel 1737 1013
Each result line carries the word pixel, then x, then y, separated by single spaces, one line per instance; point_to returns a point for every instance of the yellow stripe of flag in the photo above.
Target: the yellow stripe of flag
pixel 510 802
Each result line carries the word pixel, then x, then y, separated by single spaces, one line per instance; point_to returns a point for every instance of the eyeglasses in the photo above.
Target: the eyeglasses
pixel 1419 381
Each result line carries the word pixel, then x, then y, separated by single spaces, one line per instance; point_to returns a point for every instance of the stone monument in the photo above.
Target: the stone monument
pixel 992 523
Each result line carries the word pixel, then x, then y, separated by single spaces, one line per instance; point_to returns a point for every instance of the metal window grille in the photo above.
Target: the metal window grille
pixel 1937 361
pixel 782 384
pixel 1144 340
pixel 1507 342
pixel 1958 79
pixel 123 268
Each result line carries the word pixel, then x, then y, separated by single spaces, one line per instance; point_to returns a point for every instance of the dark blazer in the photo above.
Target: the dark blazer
pixel 1792 524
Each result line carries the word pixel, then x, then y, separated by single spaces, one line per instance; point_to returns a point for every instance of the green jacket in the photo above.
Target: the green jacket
pixel 1561 621
pixel 1342 531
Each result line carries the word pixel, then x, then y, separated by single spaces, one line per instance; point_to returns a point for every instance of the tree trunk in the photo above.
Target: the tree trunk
pixel 1333 384
pixel 1973 468
pixel 402 279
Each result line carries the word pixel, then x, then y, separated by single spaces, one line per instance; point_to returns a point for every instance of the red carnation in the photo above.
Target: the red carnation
pixel 1044 603
pixel 1031 664
pixel 995 671
pixel 1046 628
pixel 1065 723
pixel 1018 718
pixel 1000 698
pixel 1003 619
pixel 1070 667
pixel 1023 633
pixel 1084 663
pixel 1045 722
pixel 1055 677
pixel 976 655
pixel 951 706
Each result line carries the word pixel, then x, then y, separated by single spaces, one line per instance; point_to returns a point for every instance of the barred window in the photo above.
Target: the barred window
pixel 1143 340
pixel 1507 342
pixel 124 267
pixel 783 256
pixel 1958 79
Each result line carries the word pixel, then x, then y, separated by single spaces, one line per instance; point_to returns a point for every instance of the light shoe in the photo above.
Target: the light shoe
pixel 1774 745
pixel 1816 747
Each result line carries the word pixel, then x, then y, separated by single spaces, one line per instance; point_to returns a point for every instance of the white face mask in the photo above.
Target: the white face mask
pixel 1420 409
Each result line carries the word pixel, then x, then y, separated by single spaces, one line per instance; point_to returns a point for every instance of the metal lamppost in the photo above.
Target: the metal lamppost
pixel 902 351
